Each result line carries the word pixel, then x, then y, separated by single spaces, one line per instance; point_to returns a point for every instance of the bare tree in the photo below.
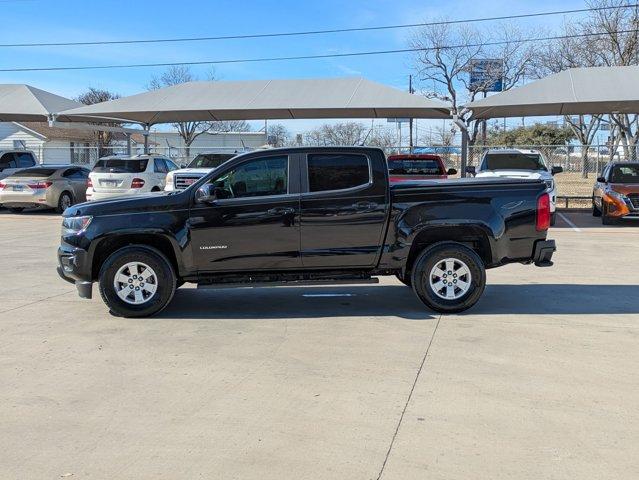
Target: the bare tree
pixel 607 37
pixel 445 56
pixel 278 135
pixel 189 131
pixel 93 96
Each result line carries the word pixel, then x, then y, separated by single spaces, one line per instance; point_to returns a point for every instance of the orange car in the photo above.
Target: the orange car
pixel 616 193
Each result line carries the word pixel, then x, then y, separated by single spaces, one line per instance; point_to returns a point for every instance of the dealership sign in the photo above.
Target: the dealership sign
pixel 487 75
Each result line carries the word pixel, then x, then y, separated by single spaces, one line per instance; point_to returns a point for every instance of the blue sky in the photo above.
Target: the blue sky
pixel 76 20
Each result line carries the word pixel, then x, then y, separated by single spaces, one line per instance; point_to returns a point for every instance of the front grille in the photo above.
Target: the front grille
pixel 634 200
pixel 183 181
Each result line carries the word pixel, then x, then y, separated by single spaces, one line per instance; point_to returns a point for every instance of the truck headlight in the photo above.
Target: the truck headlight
pixel 75 225
pixel 169 180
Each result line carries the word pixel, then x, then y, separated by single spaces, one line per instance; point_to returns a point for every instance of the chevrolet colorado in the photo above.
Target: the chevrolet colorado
pixel 305 216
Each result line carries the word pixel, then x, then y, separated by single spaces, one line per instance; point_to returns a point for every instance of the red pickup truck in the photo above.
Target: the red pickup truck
pixel 409 167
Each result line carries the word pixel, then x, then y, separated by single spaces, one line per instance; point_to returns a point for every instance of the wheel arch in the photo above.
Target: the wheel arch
pixel 471 236
pixel 154 242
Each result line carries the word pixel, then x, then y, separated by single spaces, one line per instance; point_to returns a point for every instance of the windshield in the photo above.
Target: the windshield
pixel 209 161
pixel 121 165
pixel 513 161
pixel 625 173
pixel 414 167
pixel 35 172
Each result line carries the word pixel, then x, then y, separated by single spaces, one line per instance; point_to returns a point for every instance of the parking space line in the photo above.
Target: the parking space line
pixel 570 224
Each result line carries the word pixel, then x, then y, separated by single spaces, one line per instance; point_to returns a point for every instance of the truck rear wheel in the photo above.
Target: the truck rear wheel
pixel 449 277
pixel 137 281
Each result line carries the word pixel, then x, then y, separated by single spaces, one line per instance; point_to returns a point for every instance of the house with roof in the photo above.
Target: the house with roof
pixel 51 144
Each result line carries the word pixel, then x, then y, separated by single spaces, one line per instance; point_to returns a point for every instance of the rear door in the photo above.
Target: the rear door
pixel 77 181
pixel 160 170
pixel 343 208
pixel 254 223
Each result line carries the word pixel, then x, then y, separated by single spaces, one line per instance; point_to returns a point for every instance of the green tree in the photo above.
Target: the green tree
pixel 537 134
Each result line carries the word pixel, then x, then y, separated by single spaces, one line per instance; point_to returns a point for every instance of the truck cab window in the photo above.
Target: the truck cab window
pixel 256 178
pixel 337 171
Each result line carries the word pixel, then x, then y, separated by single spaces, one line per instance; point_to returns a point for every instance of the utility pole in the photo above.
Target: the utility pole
pixel 410 120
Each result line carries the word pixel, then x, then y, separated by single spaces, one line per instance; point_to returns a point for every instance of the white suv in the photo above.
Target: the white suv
pixel 517 163
pixel 12 161
pixel 120 176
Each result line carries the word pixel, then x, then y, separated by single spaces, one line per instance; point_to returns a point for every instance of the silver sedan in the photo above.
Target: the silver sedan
pixel 44 186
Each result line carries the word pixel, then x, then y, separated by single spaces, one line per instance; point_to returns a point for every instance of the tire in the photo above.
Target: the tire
pixel 605 218
pixel 405 280
pixel 16 209
pixel 595 211
pixel 161 276
pixel 64 202
pixel 463 259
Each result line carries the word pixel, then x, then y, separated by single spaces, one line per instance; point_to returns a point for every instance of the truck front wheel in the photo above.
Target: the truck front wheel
pixel 137 281
pixel 449 277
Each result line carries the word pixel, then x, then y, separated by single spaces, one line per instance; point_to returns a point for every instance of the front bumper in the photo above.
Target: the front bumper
pixel 543 252
pixel 70 268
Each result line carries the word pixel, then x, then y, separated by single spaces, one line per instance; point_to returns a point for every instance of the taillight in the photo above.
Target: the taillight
pixel 2 185
pixel 137 183
pixel 39 185
pixel 543 212
pixel 89 183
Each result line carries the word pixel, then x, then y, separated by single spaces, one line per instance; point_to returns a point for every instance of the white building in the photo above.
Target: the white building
pixel 50 144
pixel 171 144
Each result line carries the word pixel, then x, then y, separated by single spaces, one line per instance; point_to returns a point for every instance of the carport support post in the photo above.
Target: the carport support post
pixel 128 144
pixel 147 128
pixel 464 151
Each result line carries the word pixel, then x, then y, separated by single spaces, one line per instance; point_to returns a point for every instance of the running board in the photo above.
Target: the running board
pixel 290 283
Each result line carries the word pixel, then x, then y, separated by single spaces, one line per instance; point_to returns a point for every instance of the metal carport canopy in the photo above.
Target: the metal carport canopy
pixel 265 99
pixel 578 91
pixel 24 103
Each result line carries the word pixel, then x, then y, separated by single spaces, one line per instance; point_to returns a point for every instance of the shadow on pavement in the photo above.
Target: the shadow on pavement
pixel 558 299
pixel 397 301
pixel 298 302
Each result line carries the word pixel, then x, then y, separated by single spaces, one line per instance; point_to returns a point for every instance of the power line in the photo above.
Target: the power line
pixel 309 57
pixel 318 32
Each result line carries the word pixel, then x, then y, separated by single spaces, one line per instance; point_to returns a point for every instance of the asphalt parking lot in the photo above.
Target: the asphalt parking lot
pixel 539 380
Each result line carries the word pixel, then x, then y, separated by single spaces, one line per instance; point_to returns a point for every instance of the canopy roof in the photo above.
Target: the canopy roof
pixel 266 99
pixel 24 103
pixel 572 92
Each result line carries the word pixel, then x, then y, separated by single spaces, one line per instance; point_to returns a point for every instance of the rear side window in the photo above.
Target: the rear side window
pixel 8 161
pixel 337 171
pixel 121 165
pixel 25 160
pixel 160 166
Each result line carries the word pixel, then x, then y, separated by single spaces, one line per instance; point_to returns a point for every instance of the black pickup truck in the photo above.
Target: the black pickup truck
pixel 305 216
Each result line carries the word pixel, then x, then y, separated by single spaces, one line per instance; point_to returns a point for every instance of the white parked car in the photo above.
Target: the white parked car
pixel 517 163
pixel 12 161
pixel 201 165
pixel 119 176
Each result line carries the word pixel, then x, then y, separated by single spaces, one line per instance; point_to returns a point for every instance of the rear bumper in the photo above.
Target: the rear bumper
pixel 543 252
pixel 101 195
pixel 34 198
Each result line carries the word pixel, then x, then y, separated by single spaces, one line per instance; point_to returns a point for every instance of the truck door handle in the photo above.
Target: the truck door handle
pixel 281 211
pixel 365 205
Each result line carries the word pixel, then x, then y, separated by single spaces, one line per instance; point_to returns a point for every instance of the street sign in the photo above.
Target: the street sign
pixel 487 75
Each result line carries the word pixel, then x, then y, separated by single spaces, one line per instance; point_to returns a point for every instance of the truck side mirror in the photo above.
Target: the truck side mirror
pixel 556 170
pixel 206 194
pixel 601 179
pixel 451 171
pixel 471 170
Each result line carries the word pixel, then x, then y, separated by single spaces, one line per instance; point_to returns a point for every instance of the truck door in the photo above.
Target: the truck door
pixel 254 224
pixel 344 209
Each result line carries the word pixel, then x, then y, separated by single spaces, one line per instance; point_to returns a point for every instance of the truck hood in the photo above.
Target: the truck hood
pixel 149 202
pixel 625 188
pixel 530 174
